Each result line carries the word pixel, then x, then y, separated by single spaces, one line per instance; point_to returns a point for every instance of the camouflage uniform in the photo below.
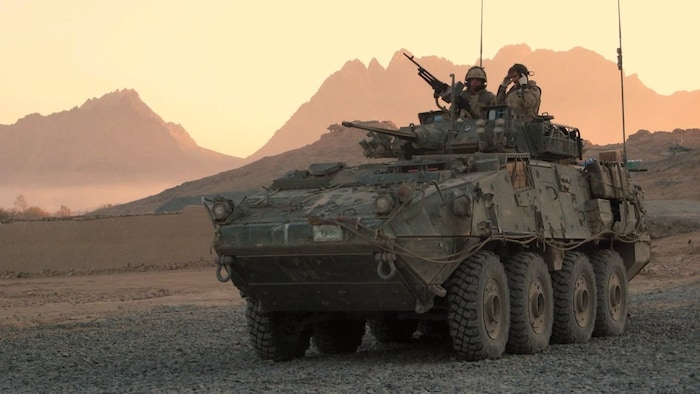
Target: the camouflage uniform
pixel 477 100
pixel 524 101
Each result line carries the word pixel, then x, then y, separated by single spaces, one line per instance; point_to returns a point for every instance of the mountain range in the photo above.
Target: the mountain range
pixel 579 88
pixel 115 148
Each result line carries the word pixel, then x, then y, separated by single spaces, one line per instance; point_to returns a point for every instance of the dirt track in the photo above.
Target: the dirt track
pixel 183 331
pixel 26 302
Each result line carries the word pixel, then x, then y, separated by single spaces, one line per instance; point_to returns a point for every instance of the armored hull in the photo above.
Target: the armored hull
pixel 490 230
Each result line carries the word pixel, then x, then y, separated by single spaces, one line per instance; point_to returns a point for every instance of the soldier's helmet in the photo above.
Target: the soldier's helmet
pixel 475 72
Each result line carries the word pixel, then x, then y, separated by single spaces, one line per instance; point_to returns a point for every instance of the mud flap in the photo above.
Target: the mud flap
pixel 635 255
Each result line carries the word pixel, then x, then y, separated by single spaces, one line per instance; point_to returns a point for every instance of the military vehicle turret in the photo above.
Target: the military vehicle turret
pixel 488 229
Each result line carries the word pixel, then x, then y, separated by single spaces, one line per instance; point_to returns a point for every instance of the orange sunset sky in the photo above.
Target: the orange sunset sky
pixel 232 72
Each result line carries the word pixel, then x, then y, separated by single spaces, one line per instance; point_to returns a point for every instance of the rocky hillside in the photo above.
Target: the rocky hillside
pixel 110 150
pixel 671 159
pixel 671 173
pixel 339 144
pixel 116 138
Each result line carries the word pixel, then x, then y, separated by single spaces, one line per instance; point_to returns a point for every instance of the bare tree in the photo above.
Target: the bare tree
pixel 63 212
pixel 21 204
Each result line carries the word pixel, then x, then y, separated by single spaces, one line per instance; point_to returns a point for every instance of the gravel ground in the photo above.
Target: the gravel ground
pixel 187 348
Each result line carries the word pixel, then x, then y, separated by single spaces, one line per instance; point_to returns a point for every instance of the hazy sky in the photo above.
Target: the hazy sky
pixel 232 72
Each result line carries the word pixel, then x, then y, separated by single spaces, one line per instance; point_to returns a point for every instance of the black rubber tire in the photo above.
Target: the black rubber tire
pixel 338 336
pixel 611 283
pixel 531 303
pixel 479 307
pixel 277 336
pixel 574 300
pixel 391 329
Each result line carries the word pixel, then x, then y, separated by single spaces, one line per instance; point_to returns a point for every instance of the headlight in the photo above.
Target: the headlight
pixel 384 204
pixel 222 209
pixel 404 192
pixel 462 206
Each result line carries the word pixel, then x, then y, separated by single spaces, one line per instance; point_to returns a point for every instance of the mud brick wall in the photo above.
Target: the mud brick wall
pixel 107 243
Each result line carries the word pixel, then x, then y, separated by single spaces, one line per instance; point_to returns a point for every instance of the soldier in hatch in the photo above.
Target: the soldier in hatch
pixel 523 98
pixel 475 96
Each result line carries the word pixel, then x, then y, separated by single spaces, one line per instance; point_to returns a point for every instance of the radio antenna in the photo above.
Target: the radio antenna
pixel 481 35
pixel 622 84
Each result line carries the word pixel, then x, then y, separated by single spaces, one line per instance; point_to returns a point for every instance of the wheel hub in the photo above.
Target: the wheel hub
pixel 615 296
pixel 582 301
pixel 536 305
pixel 492 309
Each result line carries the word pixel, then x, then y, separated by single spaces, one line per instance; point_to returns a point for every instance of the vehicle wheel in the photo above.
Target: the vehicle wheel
pixel 531 303
pixel 611 284
pixel 574 300
pixel 338 336
pixel 479 307
pixel 391 329
pixel 277 336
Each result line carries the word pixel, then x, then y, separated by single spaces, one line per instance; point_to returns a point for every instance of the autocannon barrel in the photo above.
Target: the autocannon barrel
pixel 403 134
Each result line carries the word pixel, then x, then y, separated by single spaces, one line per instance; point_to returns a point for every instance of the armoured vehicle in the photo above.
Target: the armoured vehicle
pixel 490 231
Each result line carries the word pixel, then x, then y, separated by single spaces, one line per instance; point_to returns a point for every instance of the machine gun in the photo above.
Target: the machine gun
pixel 439 87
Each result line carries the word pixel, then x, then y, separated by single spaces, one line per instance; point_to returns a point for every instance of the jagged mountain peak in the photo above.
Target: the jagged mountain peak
pixel 354 64
pixel 119 102
pixel 514 51
pixel 374 66
pixel 116 97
